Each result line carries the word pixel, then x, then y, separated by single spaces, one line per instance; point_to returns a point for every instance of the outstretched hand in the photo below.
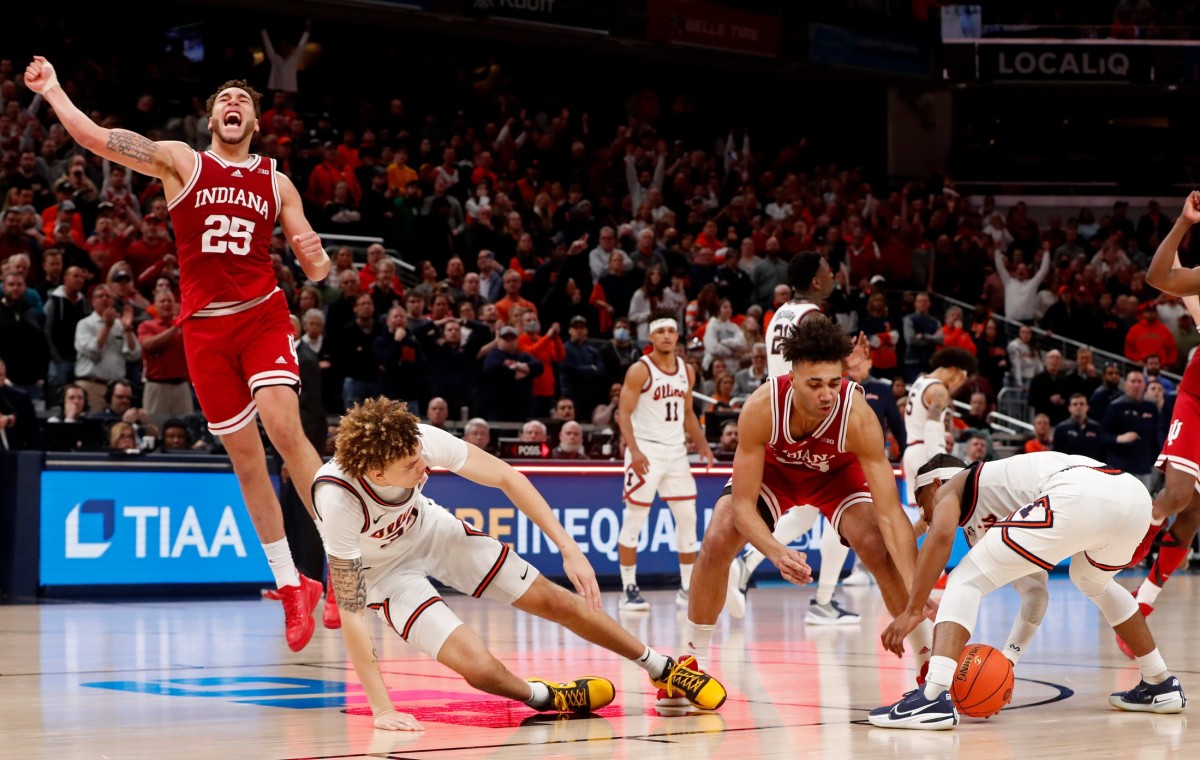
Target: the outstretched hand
pixel 893 635
pixel 39 75
pixel 860 351
pixel 397 721
pixel 582 577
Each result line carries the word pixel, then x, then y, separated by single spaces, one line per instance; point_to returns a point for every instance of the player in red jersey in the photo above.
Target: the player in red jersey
pixel 225 203
pixel 807 437
pixel 1180 457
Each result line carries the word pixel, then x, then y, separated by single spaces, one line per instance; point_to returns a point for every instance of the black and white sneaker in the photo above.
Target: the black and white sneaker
pixel 829 614
pixel 633 601
pixel 1165 697
pixel 915 711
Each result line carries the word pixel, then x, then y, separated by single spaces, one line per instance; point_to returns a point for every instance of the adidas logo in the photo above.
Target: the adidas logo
pixel 236 173
pixel 281 360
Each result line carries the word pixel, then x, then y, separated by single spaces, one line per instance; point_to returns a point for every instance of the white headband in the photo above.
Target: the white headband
pixel 659 324
pixel 942 473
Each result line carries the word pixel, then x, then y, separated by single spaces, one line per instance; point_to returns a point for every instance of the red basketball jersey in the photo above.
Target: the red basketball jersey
pixel 823 450
pixel 224 219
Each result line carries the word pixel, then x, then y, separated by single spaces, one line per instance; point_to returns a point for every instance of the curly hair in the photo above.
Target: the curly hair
pixel 241 84
pixel 816 340
pixel 374 434
pixel 956 358
pixel 802 269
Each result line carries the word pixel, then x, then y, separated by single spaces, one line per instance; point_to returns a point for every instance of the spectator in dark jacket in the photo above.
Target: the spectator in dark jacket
pixel 584 376
pixel 508 379
pixel 1108 391
pixel 1079 435
pixel 1133 413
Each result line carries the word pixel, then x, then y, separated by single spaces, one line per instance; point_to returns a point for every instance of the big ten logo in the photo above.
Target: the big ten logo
pixel 595 529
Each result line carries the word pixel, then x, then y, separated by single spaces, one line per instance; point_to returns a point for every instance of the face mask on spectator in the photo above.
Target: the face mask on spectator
pixel 621 334
pixel 532 327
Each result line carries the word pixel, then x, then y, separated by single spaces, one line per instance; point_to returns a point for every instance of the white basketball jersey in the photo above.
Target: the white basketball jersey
pixel 994 490
pixel 916 414
pixel 359 519
pixel 785 318
pixel 658 416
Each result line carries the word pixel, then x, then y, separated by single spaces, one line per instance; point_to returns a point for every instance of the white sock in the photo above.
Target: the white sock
pixel 1147 593
pixel 539 695
pixel 628 576
pixel 279 557
pixel 921 641
pixel 1154 668
pixel 1018 639
pixel 653 663
pixel 685 575
pixel 941 673
pixel 699 641
pixel 833 557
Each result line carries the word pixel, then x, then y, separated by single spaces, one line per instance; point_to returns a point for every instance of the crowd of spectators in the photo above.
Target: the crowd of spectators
pixel 532 247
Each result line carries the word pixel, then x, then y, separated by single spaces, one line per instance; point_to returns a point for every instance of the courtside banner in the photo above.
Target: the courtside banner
pixel 131 527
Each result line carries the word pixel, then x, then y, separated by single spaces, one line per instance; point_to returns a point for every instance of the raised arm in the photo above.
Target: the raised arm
pixel 168 161
pixel 1165 272
pixel 485 469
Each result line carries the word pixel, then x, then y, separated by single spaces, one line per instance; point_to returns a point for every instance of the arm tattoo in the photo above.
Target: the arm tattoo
pixel 132 145
pixel 348 583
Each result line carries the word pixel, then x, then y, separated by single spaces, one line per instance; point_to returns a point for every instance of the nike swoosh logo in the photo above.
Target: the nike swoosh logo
pixel 525 573
pixel 916 711
pixel 1164 698
pixel 377 519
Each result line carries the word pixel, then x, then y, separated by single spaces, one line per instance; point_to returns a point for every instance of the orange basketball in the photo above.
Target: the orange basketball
pixel 983 683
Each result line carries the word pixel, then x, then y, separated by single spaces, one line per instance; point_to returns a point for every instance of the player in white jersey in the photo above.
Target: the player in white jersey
pixel 655 412
pixel 384 537
pixel 1033 511
pixel 812 281
pixel 929 397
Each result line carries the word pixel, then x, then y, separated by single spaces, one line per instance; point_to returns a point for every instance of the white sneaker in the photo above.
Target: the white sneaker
pixel 681 599
pixel 858 577
pixel 829 614
pixel 735 591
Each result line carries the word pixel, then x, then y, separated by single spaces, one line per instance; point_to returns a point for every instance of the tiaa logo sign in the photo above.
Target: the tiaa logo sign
pixel 146 528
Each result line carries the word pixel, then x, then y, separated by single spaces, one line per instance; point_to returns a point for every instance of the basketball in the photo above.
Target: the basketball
pixel 983 683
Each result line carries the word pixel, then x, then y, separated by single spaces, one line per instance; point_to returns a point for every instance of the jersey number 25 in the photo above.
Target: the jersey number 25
pixel 226 234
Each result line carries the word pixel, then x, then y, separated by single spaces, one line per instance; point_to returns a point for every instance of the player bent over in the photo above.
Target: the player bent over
pixel 384 537
pixel 1075 507
pixel 807 437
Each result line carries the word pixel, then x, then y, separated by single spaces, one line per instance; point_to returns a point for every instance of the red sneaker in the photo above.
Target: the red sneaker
pixel 298 605
pixel 331 616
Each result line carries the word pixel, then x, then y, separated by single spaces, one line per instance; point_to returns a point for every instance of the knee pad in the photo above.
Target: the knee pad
pixel 631 525
pixel 965 589
pixel 684 512
pixel 1115 602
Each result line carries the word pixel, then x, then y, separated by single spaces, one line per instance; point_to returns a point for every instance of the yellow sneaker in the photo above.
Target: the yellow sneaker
pixel 684 679
pixel 581 696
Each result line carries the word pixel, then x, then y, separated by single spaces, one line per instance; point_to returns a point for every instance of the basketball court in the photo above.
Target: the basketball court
pixel 213 679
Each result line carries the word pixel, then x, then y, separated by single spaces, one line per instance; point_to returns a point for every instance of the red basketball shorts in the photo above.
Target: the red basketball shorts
pixel 230 357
